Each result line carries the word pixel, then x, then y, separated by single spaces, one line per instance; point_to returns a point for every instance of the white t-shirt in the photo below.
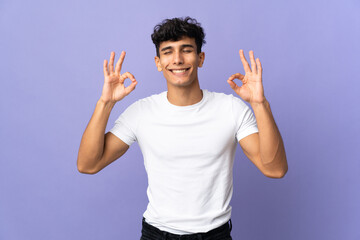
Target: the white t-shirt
pixel 188 156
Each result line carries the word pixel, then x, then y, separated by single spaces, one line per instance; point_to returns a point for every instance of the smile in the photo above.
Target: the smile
pixel 179 70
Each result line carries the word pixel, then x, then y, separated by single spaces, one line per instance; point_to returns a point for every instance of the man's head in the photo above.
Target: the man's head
pixel 177 28
pixel 178 46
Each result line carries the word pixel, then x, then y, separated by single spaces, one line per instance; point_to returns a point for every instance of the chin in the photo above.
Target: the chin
pixel 185 83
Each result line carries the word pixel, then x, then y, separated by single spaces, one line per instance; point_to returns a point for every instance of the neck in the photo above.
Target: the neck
pixel 185 96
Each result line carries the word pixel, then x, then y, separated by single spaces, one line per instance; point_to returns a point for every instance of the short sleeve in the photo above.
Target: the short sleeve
pixel 244 119
pixel 125 126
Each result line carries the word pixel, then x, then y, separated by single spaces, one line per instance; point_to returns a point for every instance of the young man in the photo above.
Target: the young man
pixel 188 136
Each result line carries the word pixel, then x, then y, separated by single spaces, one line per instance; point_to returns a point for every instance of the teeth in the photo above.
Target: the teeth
pixel 179 71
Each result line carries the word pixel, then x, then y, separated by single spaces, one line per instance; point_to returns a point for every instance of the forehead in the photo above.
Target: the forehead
pixel 178 43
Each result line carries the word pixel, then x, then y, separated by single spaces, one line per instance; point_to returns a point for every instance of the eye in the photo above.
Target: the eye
pixel 167 52
pixel 187 50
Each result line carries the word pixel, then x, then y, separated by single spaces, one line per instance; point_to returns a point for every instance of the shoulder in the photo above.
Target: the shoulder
pixel 152 100
pixel 228 103
pixel 143 107
pixel 225 98
pixel 147 104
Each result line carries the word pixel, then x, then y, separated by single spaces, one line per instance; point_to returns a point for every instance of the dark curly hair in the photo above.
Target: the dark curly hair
pixel 176 28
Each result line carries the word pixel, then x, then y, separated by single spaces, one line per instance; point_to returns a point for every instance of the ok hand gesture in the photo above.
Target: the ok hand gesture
pixel 252 89
pixel 114 89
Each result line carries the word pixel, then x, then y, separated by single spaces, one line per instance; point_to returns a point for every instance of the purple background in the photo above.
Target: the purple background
pixel 51 77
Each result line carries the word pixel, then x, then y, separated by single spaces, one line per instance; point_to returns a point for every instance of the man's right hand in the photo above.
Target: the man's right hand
pixel 114 89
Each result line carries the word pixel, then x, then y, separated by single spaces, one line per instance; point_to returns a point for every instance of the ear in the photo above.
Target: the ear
pixel 202 58
pixel 158 65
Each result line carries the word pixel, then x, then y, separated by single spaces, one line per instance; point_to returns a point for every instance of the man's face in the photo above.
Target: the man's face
pixel 179 61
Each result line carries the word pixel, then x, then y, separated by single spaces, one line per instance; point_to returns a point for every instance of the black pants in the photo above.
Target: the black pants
pixel 150 232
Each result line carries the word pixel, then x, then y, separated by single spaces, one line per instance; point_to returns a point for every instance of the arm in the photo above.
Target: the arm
pixel 96 149
pixel 266 148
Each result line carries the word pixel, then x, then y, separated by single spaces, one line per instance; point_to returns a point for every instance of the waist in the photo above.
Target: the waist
pixel 223 230
pixel 195 220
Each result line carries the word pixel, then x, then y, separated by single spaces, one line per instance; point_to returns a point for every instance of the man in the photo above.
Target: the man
pixel 188 136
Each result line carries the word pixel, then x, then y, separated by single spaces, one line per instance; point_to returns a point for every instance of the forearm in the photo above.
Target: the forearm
pixel 272 149
pixel 92 142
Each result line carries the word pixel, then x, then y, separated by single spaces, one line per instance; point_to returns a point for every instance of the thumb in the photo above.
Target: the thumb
pixel 233 85
pixel 130 88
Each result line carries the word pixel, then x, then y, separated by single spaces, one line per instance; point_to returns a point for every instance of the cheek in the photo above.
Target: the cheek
pixel 164 64
pixel 196 61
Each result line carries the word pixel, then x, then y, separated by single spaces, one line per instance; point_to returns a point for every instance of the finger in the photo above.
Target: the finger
pixel 130 88
pixel 127 75
pixel 252 60
pixel 111 63
pixel 231 79
pixel 233 85
pixel 119 62
pixel 259 67
pixel 244 62
pixel 237 76
pixel 106 72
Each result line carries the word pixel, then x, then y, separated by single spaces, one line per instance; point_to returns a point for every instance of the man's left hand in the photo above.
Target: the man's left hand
pixel 252 89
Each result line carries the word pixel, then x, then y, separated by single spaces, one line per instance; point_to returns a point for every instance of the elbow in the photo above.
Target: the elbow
pixel 280 172
pixel 284 169
pixel 276 175
pixel 86 171
pixel 279 175
pixel 284 172
pixel 82 168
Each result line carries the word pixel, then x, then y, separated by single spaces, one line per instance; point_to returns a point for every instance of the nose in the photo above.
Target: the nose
pixel 178 58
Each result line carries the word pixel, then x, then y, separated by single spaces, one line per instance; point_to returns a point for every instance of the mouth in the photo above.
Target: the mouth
pixel 179 71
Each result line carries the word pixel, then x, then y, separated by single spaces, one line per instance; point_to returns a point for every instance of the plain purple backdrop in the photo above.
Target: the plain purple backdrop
pixel 51 77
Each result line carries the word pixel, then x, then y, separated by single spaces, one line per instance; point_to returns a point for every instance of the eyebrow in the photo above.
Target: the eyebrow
pixel 182 46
